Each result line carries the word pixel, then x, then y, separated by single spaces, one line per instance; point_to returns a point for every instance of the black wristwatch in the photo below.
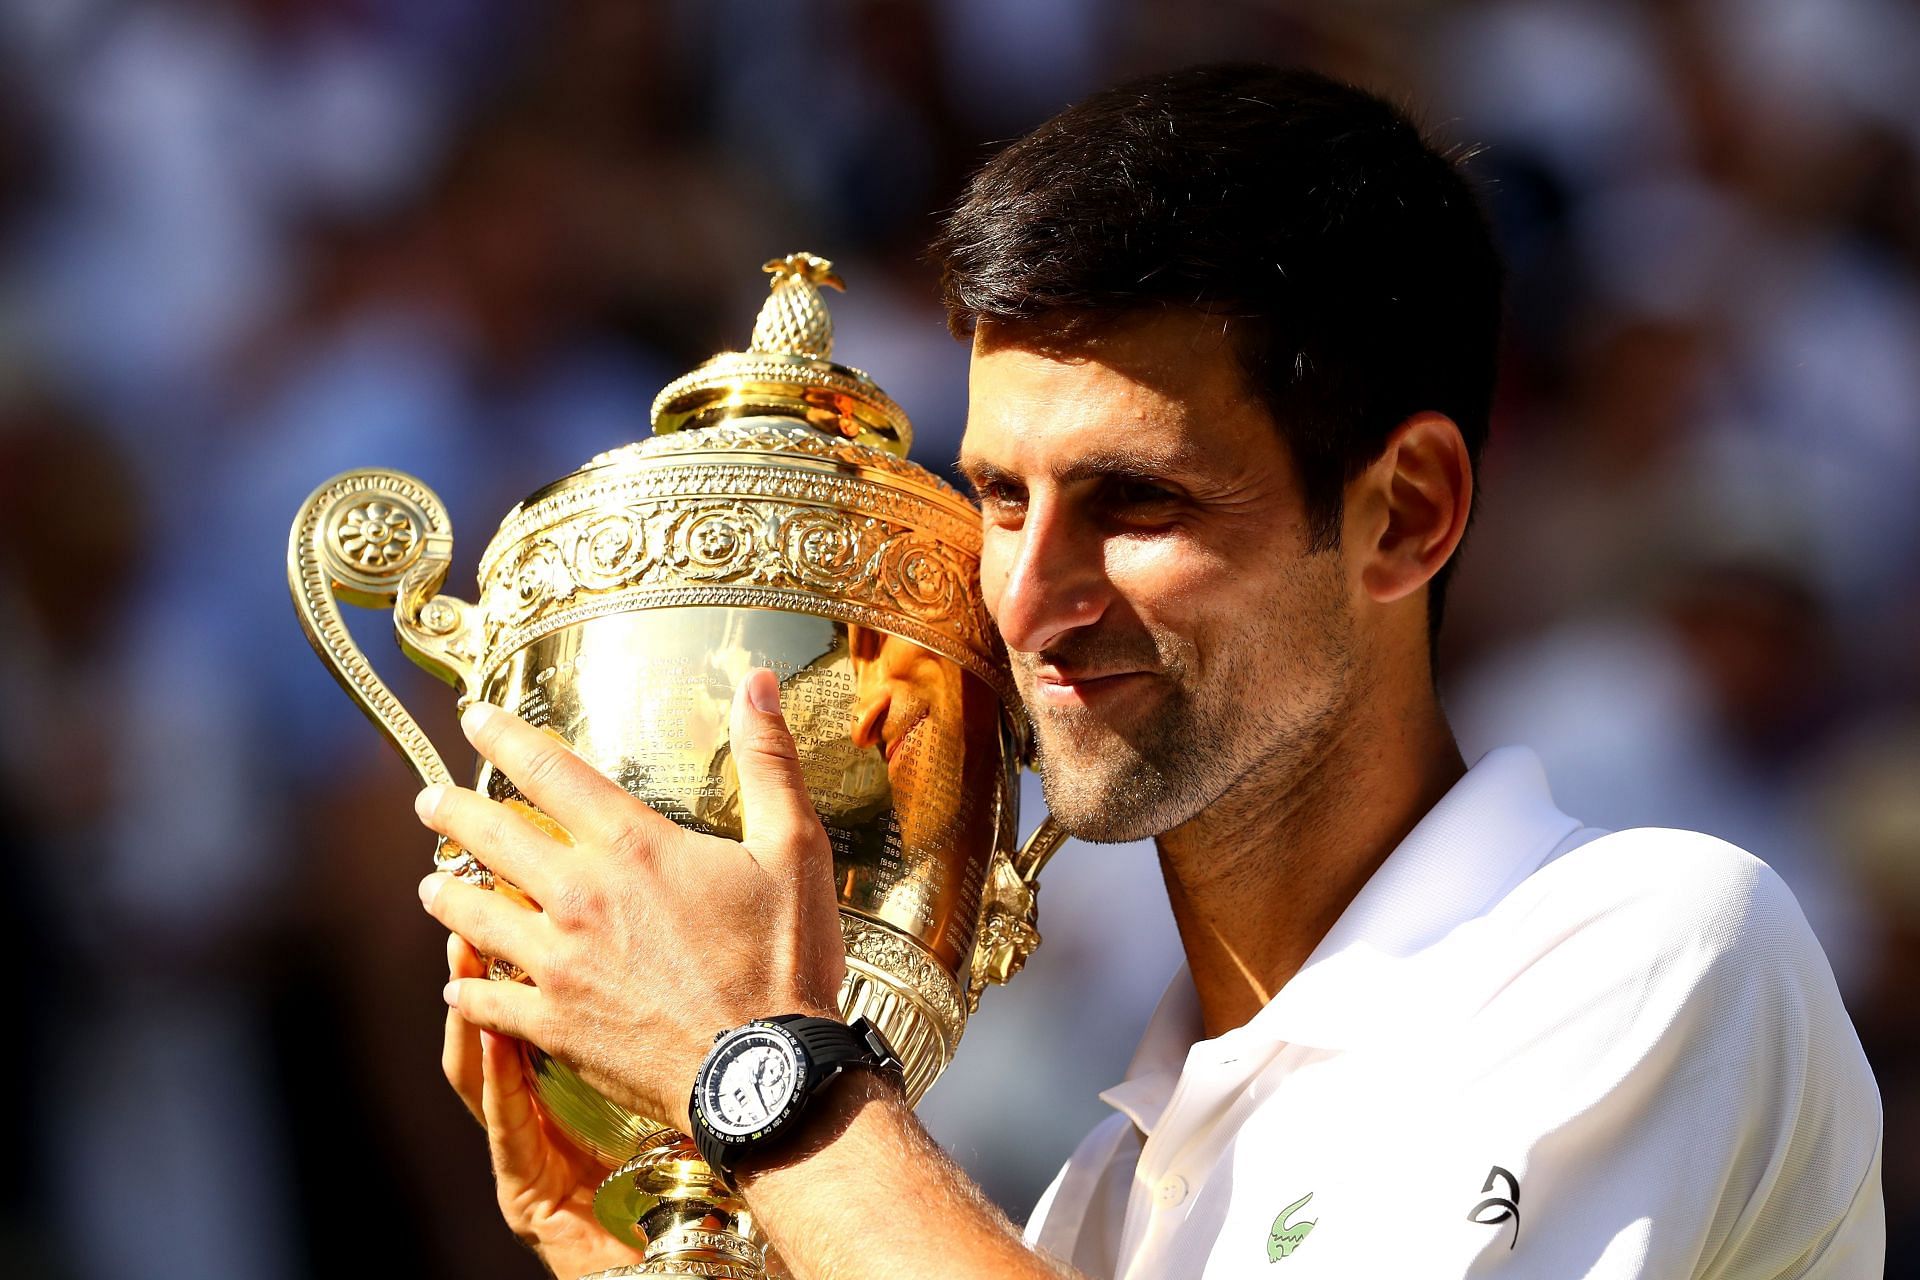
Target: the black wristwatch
pixel 753 1090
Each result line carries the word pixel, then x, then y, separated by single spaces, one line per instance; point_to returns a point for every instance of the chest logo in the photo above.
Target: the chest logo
pixel 1286 1236
pixel 1495 1210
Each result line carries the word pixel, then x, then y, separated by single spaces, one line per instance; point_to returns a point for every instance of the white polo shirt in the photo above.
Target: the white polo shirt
pixel 1527 1048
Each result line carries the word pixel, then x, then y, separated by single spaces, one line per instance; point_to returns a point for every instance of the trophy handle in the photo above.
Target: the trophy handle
pixel 1009 916
pixel 376 538
pixel 1039 850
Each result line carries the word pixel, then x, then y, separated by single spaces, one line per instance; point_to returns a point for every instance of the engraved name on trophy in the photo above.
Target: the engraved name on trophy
pixel 772 520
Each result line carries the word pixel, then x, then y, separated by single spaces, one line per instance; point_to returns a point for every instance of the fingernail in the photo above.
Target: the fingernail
pixel 431 886
pixel 451 994
pixel 429 799
pixel 763 691
pixel 475 717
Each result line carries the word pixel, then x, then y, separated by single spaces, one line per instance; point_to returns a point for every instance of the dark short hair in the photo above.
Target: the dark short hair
pixel 1354 261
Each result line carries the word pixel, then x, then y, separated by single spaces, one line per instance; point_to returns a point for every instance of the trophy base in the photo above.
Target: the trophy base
pixel 666 1202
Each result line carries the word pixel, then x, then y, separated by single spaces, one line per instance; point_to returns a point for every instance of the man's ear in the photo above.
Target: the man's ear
pixel 1411 506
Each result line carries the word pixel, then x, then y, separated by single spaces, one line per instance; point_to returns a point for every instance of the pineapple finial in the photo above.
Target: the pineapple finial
pixel 794 319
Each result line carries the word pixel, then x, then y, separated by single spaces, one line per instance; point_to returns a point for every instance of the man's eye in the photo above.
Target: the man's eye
pixel 997 497
pixel 1140 499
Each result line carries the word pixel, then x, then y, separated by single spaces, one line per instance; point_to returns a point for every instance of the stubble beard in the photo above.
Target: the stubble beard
pixel 1255 713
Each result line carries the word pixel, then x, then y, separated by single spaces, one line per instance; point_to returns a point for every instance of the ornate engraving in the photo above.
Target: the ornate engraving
pixel 910 967
pixel 693 479
pixel 613 549
pixel 924 579
pixel 718 541
pixel 828 550
pixel 772 435
pixel 720 1242
pixel 376 536
pixel 535 577
pixel 682 1267
pixel 666 535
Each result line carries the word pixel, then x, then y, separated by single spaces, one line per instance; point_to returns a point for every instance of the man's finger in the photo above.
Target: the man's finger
pixel 513 1129
pixel 460 1058
pixel 511 1008
pixel 492 922
pixel 507 842
pixel 597 810
pixel 778 821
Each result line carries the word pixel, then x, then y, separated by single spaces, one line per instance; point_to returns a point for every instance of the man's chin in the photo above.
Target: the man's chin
pixel 1098 823
pixel 1104 803
pixel 1100 827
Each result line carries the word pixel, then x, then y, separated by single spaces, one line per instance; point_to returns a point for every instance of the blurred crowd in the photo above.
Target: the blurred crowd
pixel 246 244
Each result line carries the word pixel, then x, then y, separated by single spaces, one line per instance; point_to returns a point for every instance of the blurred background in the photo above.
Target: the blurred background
pixel 245 244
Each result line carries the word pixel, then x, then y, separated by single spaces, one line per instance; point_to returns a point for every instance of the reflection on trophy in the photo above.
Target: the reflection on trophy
pixel 772 521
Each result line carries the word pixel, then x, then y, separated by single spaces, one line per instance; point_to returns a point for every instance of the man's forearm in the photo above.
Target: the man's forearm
pixel 869 1194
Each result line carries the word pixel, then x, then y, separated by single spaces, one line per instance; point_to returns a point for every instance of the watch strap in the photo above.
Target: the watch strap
pixel 832 1045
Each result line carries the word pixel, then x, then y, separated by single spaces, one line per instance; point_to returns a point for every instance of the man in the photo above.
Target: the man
pixel 1233 337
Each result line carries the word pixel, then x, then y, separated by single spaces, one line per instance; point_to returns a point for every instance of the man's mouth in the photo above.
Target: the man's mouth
pixel 1058 688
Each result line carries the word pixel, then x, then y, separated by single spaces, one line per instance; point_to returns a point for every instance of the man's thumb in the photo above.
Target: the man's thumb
pixel 776 816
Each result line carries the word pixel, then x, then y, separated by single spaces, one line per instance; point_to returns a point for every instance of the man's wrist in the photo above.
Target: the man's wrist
pixel 867 1192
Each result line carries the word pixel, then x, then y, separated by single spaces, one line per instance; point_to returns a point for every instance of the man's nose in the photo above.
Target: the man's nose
pixel 1051 578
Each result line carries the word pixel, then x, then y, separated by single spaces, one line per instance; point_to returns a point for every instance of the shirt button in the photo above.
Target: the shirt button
pixel 1171 1191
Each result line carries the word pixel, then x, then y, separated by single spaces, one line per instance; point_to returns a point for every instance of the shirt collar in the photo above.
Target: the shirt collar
pixel 1489 832
pixel 1171 1032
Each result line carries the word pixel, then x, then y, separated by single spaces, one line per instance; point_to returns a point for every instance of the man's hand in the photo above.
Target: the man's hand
pixel 643 940
pixel 544 1184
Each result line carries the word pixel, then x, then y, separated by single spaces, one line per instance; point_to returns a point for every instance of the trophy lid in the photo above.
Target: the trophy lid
pixel 786 371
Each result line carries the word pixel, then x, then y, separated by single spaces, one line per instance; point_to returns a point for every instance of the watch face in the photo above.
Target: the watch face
pixel 750 1080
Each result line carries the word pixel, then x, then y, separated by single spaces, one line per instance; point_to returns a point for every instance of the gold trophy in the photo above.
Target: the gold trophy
pixel 771 521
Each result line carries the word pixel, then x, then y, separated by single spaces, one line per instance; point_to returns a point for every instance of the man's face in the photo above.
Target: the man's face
pixel 1145 558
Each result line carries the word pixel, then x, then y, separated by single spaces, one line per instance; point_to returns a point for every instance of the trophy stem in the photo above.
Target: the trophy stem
pixel 666 1200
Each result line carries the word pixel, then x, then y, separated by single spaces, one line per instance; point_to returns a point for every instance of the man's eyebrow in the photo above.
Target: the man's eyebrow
pixel 1118 464
pixel 978 471
pixel 1128 464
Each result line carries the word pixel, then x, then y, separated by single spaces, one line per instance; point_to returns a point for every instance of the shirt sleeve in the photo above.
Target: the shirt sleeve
pixel 1670 1080
pixel 1042 1210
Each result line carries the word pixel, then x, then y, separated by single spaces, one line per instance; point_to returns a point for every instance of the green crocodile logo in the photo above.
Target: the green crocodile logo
pixel 1286 1237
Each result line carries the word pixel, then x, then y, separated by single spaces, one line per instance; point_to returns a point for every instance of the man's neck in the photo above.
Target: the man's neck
pixel 1258 879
